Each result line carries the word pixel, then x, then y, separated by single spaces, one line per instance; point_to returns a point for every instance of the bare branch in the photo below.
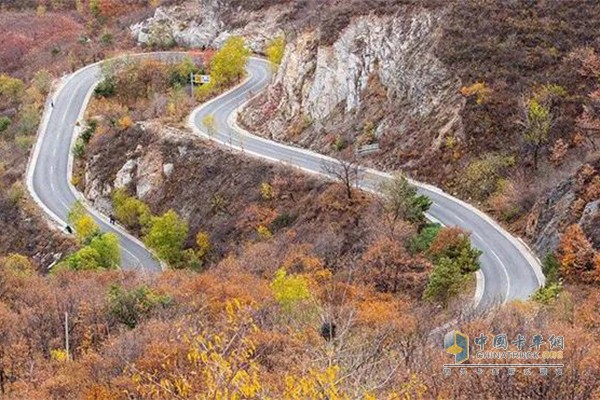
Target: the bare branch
pixel 347 171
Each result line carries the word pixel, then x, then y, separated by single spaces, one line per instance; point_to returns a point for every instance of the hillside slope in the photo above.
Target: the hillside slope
pixel 445 90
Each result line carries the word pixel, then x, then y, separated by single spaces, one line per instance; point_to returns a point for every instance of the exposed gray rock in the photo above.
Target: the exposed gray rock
pixel 549 216
pixel 149 173
pixel 168 169
pixel 199 24
pixel 125 175
pixel 589 212
pixel 97 192
pixel 315 84
pixel 555 211
pixel 193 24
pixel 590 222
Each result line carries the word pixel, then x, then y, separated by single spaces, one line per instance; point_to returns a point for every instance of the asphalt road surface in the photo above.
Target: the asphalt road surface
pixel 509 270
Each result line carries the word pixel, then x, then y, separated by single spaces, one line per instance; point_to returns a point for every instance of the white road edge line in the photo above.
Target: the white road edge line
pixel 505 274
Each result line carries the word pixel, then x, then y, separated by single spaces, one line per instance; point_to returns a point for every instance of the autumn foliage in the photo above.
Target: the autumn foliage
pixel 579 261
pixel 225 331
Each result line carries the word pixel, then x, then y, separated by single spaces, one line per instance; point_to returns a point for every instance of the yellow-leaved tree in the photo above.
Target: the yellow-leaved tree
pixel 229 63
pixel 84 225
pixel 214 363
pixel 226 67
pixel 289 289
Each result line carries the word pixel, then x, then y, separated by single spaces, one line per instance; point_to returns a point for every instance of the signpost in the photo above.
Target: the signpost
pixel 199 79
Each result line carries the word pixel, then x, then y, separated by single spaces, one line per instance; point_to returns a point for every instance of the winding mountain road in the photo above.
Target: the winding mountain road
pixel 50 164
pixel 509 270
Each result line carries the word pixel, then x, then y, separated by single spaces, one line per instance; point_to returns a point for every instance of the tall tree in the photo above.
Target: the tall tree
pixel 538 117
pixel 537 124
pixel 229 63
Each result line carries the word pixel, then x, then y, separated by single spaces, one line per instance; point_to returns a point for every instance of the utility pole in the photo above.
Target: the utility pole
pixel 67 335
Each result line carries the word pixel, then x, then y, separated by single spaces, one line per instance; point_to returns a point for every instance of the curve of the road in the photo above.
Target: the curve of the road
pixel 50 163
pixel 508 269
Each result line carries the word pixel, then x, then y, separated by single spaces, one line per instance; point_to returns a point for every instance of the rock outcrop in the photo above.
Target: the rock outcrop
pixel 574 201
pixel 201 24
pixel 141 169
pixel 380 77
pixel 149 173
pixel 126 173
pixel 173 25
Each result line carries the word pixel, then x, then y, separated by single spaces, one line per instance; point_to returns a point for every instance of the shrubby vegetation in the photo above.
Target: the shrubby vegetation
pixel 129 307
pixel 554 283
pixel 229 330
pixel 166 235
pixel 483 177
pixel 579 261
pixel 12 90
pixel 289 290
pixel 422 241
pixel 98 250
pixel 17 264
pixel 25 103
pixel 131 212
pixel 144 88
pixel 275 50
pixel 454 261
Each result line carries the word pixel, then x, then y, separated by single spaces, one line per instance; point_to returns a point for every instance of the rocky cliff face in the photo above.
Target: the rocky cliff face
pixel 576 200
pixel 329 90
